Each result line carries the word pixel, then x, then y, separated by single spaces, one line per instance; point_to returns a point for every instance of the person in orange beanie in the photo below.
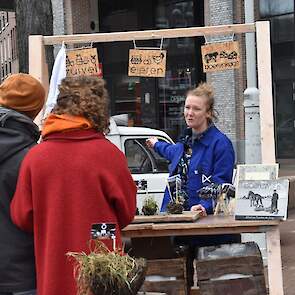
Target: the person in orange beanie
pixel 21 99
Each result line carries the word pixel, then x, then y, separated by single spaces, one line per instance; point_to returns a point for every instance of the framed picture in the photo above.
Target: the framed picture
pixel 257 172
pixel 262 199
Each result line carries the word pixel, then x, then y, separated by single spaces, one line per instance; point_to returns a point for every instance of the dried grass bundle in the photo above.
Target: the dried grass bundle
pixel 105 272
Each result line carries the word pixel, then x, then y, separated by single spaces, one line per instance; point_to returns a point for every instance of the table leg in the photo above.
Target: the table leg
pixel 274 262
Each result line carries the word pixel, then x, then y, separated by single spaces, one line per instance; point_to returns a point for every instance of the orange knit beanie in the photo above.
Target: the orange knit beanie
pixel 23 93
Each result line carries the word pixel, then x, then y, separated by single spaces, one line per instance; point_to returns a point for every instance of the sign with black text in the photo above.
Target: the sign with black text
pixel 147 63
pixel 83 62
pixel 220 56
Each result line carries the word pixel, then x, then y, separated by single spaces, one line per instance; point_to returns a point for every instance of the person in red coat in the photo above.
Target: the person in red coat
pixel 74 178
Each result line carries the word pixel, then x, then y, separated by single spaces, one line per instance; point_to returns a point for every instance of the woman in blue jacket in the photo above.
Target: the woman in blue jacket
pixel 203 155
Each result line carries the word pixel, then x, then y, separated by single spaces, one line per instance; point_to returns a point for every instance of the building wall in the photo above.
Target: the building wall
pixel 220 12
pixel 8 47
pixel 229 85
pixel 81 16
pixel 58 11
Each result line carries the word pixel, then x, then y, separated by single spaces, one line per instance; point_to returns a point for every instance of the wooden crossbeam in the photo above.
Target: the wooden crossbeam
pixel 150 34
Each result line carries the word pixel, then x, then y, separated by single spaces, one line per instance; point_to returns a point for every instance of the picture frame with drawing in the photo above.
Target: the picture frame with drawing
pixel 262 199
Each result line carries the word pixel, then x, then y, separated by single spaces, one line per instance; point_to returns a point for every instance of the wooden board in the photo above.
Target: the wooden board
pixel 82 62
pixel 147 63
pixel 186 216
pixel 220 56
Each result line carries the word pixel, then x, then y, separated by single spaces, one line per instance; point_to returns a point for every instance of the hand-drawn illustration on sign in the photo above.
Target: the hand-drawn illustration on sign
pixel 262 199
pixel 147 63
pixel 82 62
pixel 220 56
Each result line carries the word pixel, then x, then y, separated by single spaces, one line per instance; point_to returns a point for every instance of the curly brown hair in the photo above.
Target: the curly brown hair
pixel 84 96
pixel 206 90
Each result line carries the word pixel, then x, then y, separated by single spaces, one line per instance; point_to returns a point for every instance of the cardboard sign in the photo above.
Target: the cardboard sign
pixel 82 62
pixel 147 63
pixel 220 56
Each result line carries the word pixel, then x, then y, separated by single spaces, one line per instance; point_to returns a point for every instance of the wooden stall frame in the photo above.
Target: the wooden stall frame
pixel 38 68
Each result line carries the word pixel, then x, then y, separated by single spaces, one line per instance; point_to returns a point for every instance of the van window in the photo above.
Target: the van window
pixel 141 159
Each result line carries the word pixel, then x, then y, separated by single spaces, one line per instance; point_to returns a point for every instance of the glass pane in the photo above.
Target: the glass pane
pixel 137 157
pixel 285 119
pixel 151 102
pixel 161 164
pixel 275 7
pixel 181 70
pixel 282 28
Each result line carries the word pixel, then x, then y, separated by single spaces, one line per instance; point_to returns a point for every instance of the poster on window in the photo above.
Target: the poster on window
pixel 220 56
pixel 262 199
pixel 147 63
pixel 83 62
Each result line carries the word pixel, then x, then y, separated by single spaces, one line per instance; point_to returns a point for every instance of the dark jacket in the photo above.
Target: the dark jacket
pixel 17 265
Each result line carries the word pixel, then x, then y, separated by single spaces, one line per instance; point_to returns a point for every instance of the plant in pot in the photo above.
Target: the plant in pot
pixel 176 205
pixel 177 195
pixel 105 272
pixel 150 206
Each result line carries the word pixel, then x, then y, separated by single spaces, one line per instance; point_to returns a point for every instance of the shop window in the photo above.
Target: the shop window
pixel 152 102
pixel 282 28
pixel 275 7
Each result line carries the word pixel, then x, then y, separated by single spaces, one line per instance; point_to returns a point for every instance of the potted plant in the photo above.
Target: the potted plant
pixel 150 206
pixel 105 272
pixel 175 205
pixel 177 197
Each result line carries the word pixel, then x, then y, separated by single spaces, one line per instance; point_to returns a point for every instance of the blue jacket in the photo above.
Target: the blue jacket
pixel 212 161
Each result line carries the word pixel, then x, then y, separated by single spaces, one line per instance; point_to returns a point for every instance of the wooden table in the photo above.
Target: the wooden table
pixel 212 225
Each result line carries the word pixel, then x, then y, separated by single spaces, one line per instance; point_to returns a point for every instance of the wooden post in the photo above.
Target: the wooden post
pixel 37 65
pixel 274 262
pixel 265 92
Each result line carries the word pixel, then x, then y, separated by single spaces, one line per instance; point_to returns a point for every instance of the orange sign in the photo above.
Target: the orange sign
pixel 220 56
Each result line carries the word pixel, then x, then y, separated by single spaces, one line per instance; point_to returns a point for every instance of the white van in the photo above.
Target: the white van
pixel 149 170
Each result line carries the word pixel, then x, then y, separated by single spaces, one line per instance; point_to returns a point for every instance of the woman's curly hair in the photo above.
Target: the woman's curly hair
pixel 84 96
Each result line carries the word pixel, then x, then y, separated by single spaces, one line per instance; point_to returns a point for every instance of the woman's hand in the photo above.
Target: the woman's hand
pixel 150 142
pixel 199 208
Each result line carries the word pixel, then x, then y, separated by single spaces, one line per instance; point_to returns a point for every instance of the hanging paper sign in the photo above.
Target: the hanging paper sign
pixel 220 56
pixel 147 63
pixel 82 62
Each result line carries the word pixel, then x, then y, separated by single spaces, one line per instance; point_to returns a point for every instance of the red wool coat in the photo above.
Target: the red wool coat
pixel 68 182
